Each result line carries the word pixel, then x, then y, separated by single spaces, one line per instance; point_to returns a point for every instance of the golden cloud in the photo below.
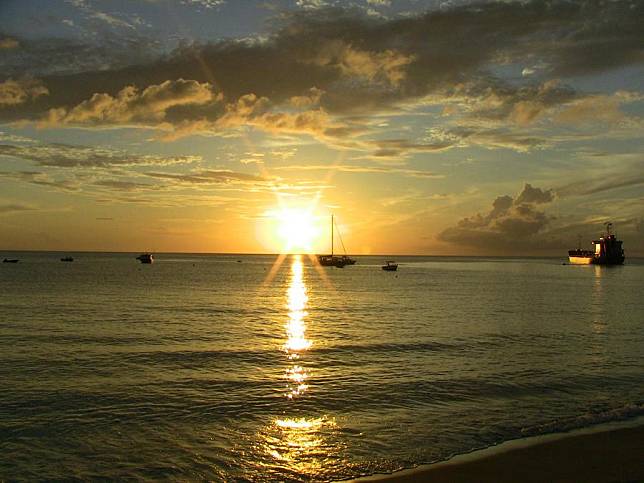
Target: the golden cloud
pixel 13 92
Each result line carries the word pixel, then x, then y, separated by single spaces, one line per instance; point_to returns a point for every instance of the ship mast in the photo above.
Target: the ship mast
pixel 332 235
pixel 608 225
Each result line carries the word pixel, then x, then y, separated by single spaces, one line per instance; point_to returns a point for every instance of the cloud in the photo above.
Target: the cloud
pixel 597 108
pixel 11 208
pixel 209 177
pixel 8 43
pixel 386 66
pixel 399 148
pixel 495 100
pixel 513 223
pixel 361 169
pixel 307 100
pixel 258 112
pixel 13 92
pixel 205 3
pixel 41 179
pixel 98 16
pixel 311 4
pixel 365 63
pixel 132 105
pixel 490 138
pixel 318 70
pixel 91 57
pixel 120 185
pixel 534 195
pixel 66 156
pixel 605 183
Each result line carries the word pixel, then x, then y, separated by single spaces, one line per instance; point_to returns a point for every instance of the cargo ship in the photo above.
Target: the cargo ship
pixel 608 251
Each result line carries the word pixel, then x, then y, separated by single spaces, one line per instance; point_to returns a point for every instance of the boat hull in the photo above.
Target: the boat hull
pixel 331 261
pixel 580 260
pixel 146 258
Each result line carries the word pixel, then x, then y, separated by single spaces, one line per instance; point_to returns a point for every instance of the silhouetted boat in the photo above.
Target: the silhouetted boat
pixel 348 260
pixel 145 258
pixel 608 251
pixel 338 261
pixel 67 259
pixel 10 260
pixel 390 266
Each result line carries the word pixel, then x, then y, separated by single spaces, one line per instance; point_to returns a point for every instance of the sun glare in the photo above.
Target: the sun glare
pixel 296 230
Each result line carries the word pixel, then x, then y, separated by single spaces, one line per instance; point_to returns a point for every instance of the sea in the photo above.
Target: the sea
pixel 270 368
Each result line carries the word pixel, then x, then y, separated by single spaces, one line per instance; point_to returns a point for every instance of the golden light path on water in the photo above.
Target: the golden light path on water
pixel 297 441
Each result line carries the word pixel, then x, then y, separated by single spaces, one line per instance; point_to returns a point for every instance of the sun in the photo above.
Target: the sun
pixel 296 229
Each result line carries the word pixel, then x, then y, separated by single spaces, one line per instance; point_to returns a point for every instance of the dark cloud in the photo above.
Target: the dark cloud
pixel 513 224
pixel 100 51
pixel 534 195
pixel 362 64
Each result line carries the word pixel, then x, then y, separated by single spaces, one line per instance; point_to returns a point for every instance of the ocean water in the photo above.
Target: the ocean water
pixel 252 368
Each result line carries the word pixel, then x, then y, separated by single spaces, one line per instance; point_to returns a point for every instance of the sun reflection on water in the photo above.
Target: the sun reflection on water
pixel 297 299
pixel 301 443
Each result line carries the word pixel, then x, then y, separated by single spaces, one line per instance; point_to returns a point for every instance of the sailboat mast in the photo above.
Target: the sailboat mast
pixel 331 235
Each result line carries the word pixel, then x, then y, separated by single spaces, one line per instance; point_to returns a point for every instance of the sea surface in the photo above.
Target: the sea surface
pixel 260 368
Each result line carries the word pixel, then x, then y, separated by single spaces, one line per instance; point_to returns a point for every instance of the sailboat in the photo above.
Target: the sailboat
pixel 332 260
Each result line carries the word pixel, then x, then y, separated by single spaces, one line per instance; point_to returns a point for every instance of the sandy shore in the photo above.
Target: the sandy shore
pixel 600 455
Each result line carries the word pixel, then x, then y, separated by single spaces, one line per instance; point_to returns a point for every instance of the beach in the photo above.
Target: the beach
pixel 602 455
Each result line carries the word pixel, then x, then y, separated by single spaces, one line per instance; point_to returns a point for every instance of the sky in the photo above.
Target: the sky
pixel 426 127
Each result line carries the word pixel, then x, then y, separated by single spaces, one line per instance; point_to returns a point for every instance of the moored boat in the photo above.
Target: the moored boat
pixel 338 261
pixel 390 266
pixel 67 259
pixel 145 258
pixel 607 251
pixel 10 260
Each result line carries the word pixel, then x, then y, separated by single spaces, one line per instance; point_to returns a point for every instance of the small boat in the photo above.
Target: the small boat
pixel 67 259
pixel 390 266
pixel 145 258
pixel 608 251
pixel 10 260
pixel 338 261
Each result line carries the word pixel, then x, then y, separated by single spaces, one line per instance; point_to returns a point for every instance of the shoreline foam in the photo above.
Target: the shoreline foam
pixel 606 452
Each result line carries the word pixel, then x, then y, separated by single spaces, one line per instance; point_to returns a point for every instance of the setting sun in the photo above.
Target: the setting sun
pixel 295 229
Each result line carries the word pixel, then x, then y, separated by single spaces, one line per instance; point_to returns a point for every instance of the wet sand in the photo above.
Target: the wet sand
pixel 602 455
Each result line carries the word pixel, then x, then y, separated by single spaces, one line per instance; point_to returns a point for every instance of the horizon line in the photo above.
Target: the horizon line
pixel 290 254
